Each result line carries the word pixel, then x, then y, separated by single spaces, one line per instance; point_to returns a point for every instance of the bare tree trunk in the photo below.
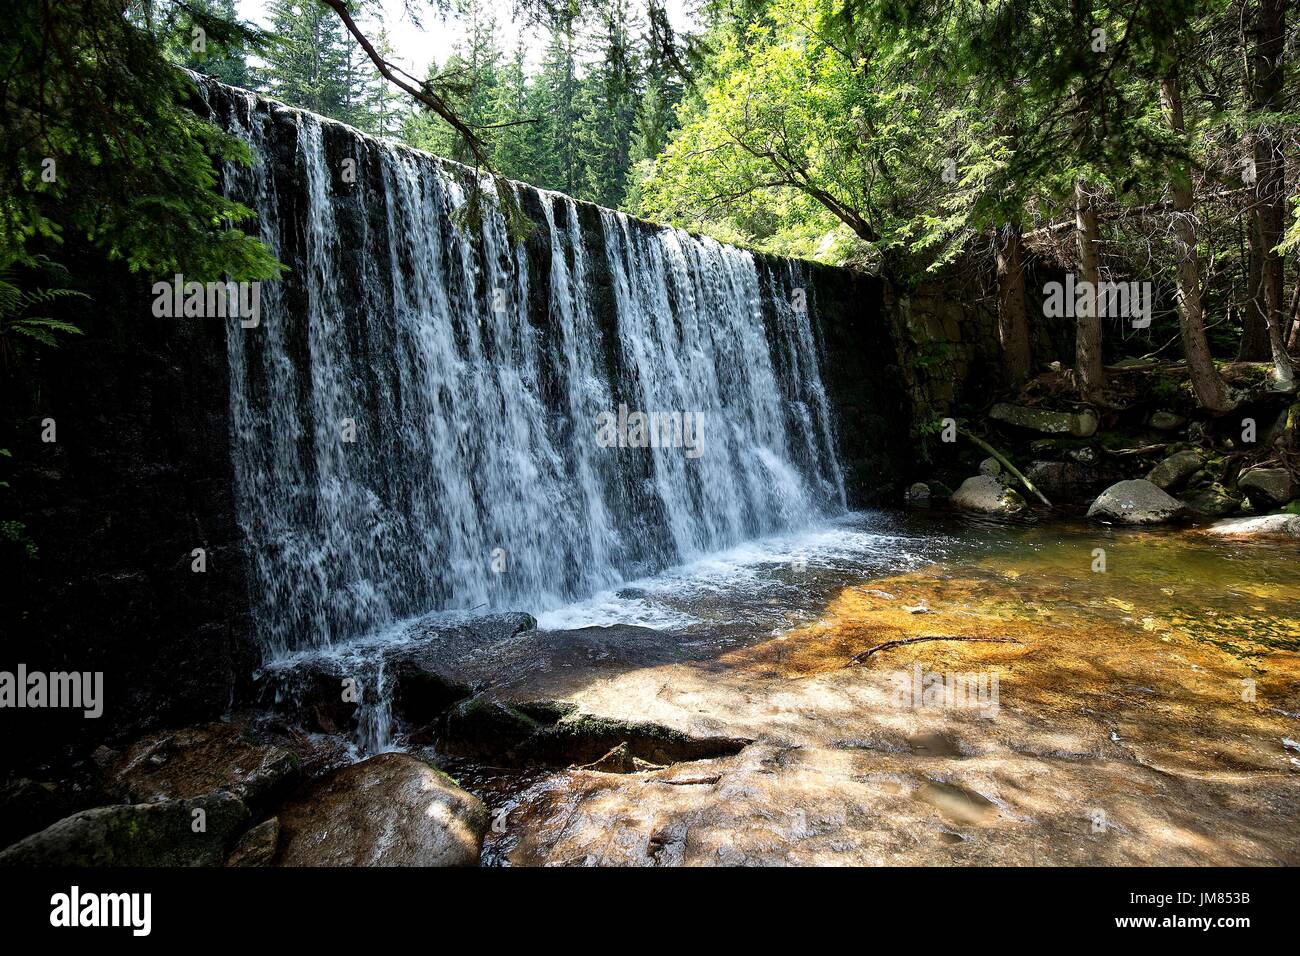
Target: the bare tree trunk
pixel 1087 343
pixel 1211 391
pixel 1013 326
pixel 1267 210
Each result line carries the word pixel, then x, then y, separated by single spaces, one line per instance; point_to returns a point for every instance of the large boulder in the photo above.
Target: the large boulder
pixel 1174 471
pixel 1267 487
pixel 389 810
pixel 1136 502
pixel 1080 424
pixel 1265 526
pixel 188 763
pixel 167 833
pixel 987 495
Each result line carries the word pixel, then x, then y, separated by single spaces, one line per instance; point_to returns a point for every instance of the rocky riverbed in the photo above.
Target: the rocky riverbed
pixel 917 689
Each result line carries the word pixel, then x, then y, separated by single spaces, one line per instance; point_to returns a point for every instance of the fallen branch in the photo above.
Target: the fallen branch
pixel 860 658
pixel 1006 463
pixel 1127 452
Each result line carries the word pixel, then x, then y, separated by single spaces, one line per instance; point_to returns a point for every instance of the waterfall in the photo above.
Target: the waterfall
pixel 417 417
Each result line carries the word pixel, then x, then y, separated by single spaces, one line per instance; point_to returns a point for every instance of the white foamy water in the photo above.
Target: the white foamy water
pixel 471 370
pixel 780 577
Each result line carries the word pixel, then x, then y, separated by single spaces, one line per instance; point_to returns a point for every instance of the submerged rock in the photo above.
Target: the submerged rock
pixel 1175 470
pixel 1080 424
pixel 389 810
pixel 1267 487
pixel 988 495
pixel 1264 526
pixel 166 833
pixel 1136 502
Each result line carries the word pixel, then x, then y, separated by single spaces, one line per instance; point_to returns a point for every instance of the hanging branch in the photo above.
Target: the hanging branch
pixel 1005 462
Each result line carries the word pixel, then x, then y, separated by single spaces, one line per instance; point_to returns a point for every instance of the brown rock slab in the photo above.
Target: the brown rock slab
pixel 388 810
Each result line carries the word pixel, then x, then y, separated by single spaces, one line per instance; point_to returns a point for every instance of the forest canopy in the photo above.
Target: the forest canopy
pixel 1135 139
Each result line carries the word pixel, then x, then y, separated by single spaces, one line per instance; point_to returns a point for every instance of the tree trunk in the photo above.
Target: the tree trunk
pixel 1013 326
pixel 1268 199
pixel 1211 391
pixel 1087 343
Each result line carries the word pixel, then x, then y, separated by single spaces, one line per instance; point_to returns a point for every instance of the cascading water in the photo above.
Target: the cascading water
pixel 416 415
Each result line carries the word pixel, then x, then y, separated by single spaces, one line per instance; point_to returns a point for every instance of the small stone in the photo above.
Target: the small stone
pixel 991 467
pixel 1174 471
pixel 919 492
pixel 1166 421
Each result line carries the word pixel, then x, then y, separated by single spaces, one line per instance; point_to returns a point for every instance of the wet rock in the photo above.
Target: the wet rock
pixel 421 695
pixel 1080 424
pixel 918 493
pixel 1166 421
pixel 257 847
pixel 1264 526
pixel 991 467
pixel 188 763
pixel 987 495
pixel 584 738
pixel 147 834
pixel 1213 500
pixel 1084 456
pixel 1175 470
pixel 389 810
pixel 318 692
pixel 482 727
pixel 1267 487
pixel 1136 502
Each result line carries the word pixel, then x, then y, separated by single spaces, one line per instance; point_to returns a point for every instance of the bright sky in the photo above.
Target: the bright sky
pixel 416 48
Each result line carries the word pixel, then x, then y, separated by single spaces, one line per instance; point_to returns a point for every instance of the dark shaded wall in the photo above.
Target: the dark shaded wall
pixel 138 477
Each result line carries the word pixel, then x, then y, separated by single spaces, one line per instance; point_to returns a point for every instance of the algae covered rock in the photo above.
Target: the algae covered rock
pixel 166 833
pixel 1175 470
pixel 1267 487
pixel 1080 424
